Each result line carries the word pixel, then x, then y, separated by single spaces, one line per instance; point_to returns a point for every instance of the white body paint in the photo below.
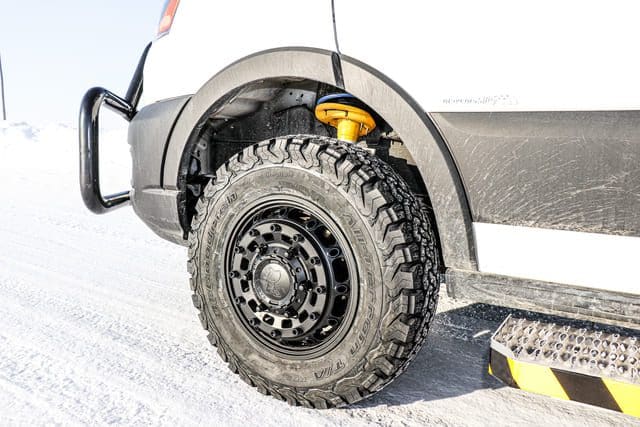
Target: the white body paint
pixel 589 260
pixel 207 36
pixel 459 55
pixel 500 55
pixel 449 56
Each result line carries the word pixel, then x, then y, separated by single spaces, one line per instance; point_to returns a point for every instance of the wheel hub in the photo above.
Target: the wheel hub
pixel 289 278
pixel 273 283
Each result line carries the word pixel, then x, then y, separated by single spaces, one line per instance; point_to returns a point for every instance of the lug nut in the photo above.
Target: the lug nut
pixel 314 316
pixel 233 274
pixel 290 313
pixel 254 322
pixel 239 250
pixel 321 290
pixel 291 252
pixel 239 300
pixel 298 238
pixel 253 232
pixel 315 260
pixel 304 285
pixel 295 332
pixel 275 333
pixel 275 227
pixel 248 276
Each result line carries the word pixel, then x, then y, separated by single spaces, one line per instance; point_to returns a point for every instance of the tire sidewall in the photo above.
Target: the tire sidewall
pixel 291 181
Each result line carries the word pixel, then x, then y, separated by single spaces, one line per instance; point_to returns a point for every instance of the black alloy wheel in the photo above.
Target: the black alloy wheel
pixel 289 275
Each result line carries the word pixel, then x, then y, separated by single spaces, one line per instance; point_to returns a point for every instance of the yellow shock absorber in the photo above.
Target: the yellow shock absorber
pixel 351 122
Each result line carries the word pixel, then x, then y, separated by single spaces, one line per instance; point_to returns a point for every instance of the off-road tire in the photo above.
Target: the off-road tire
pixel 399 287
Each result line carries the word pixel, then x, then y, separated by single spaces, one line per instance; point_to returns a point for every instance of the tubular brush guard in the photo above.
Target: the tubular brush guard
pixel 89 130
pixel 89 159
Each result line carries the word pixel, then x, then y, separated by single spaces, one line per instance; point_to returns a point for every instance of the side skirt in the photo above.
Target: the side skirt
pixel 545 297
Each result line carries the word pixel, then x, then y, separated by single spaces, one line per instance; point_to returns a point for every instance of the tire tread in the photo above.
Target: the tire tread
pixel 405 239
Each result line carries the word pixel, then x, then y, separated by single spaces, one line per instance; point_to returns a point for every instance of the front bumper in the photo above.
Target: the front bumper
pixel 89 131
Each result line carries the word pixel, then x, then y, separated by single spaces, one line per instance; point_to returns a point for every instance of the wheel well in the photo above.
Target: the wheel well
pixel 267 109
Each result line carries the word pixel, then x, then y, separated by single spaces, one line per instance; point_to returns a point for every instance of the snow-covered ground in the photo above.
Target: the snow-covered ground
pixel 97 327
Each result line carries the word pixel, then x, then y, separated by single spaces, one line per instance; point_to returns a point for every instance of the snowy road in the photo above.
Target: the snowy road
pixel 97 326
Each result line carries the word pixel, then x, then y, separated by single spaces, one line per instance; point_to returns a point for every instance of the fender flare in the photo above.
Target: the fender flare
pixel 415 127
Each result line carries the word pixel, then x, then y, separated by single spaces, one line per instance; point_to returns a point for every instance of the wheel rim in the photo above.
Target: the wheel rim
pixel 291 278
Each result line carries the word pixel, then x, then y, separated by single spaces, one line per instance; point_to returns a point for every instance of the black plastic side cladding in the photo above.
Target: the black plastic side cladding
pixel 382 95
pixel 149 132
pixel 568 170
pixel 430 152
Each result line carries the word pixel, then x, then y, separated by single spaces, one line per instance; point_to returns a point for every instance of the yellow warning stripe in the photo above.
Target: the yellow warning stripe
pixel 537 379
pixel 566 385
pixel 626 395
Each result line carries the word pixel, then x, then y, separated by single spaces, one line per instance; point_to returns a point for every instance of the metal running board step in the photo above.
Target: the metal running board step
pixel 569 361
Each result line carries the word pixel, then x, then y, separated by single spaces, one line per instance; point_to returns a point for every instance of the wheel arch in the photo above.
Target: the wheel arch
pixel 419 133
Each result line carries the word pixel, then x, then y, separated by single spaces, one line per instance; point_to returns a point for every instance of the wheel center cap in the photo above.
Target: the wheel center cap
pixel 273 283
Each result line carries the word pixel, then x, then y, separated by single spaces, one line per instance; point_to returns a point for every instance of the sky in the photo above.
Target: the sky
pixel 53 51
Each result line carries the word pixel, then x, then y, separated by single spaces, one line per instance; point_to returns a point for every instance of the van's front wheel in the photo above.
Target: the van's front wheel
pixel 314 270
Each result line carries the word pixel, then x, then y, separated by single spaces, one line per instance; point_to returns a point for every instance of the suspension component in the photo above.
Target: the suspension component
pixel 345 113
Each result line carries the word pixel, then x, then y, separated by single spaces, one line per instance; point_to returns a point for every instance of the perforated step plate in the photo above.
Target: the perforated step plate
pixel 593 364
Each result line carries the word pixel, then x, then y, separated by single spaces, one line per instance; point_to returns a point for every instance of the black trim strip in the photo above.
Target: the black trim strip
pixel 586 389
pixel 135 86
pixel 337 69
pixel 500 368
pixel 335 27
pixel 546 297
